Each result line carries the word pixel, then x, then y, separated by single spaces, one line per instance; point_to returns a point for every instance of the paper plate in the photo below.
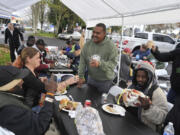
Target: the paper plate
pixel 66 110
pixel 59 93
pixel 60 97
pixel 114 109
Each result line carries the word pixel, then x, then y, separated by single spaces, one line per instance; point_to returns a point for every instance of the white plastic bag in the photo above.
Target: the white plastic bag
pixel 88 121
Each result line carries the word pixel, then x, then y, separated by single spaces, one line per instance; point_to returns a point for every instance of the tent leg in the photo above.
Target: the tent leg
pixel 120 50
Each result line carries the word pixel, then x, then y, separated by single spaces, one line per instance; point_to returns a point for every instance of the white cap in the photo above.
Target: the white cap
pixel 170 123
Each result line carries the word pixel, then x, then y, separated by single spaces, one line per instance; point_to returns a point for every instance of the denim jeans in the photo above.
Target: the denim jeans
pixel 36 109
pixel 171 96
pixel 102 86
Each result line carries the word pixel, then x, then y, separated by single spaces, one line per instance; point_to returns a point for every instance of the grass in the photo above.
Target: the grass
pixel 45 34
pixel 4 55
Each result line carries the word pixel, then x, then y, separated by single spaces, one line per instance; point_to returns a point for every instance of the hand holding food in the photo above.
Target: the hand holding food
pixel 61 87
pixel 72 80
pixel 94 63
pixel 80 82
pixel 145 102
pixel 131 97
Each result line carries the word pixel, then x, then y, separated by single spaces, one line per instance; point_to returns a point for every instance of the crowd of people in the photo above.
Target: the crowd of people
pixel 95 63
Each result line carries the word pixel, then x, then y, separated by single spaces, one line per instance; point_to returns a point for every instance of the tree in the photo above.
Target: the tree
pixel 72 19
pixel 57 11
pixel 61 16
pixel 42 5
pixel 116 29
pixel 35 16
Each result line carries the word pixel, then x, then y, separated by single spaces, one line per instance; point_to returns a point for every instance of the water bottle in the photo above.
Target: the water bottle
pixel 104 98
pixel 137 57
pixel 169 129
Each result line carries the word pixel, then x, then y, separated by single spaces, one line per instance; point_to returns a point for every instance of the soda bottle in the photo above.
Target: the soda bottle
pixel 169 129
pixel 87 103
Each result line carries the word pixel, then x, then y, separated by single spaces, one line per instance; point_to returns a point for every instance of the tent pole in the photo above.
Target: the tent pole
pixel 86 34
pixel 120 50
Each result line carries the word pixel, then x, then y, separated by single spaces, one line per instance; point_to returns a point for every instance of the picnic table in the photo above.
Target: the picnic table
pixel 112 124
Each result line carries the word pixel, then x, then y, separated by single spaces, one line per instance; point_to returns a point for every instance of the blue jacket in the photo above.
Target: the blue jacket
pixel 141 54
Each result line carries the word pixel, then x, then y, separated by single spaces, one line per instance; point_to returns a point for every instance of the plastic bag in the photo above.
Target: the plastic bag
pixel 88 121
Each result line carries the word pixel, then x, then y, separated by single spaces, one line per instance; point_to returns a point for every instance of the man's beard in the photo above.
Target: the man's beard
pixel 141 87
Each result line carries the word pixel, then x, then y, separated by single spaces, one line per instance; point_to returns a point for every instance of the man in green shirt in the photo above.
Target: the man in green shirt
pixel 99 56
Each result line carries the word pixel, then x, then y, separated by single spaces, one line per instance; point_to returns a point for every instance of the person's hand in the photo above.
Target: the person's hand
pixel 9 63
pixel 71 60
pixel 94 63
pixel 72 80
pixel 43 79
pixel 131 54
pixel 80 82
pixel 144 58
pixel 153 48
pixel 145 102
pixel 22 42
pixel 50 85
pixel 61 86
pixel 52 65
pixel 63 51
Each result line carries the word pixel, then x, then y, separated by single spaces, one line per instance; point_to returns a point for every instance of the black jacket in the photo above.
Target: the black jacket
pixel 17 118
pixel 33 87
pixel 173 56
pixel 174 116
pixel 13 39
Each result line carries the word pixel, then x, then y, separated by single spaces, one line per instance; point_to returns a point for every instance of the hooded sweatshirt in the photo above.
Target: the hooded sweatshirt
pixel 157 112
pixel 107 52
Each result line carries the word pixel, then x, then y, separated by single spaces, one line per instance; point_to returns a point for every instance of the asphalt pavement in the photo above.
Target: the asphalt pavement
pixel 48 41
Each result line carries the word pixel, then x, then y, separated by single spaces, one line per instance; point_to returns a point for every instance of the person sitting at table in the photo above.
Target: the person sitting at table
pixel 141 53
pixel 16 117
pixel 33 86
pixel 153 110
pixel 30 42
pixel 45 64
pixel 73 53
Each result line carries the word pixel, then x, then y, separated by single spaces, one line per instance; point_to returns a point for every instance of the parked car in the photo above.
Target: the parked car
pixel 3 28
pixel 49 30
pixel 75 35
pixel 164 42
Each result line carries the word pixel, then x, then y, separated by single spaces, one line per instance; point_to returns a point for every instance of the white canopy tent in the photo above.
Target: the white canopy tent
pixel 7 7
pixel 125 12
pixel 133 12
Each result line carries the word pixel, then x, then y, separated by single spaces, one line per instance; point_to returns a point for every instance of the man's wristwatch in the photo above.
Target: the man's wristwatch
pixel 49 97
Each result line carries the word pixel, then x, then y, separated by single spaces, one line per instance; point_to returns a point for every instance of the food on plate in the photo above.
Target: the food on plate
pixel 131 97
pixel 110 109
pixel 68 105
